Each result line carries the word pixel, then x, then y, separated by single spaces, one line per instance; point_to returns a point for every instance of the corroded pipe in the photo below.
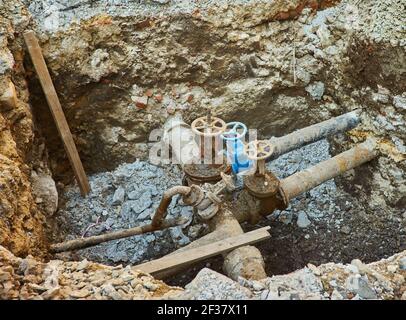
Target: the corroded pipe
pixel 158 223
pixel 316 132
pixel 245 261
pixel 160 212
pixel 95 240
pixel 309 178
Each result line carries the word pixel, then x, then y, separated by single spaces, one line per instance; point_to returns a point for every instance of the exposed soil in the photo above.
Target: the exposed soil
pixel 121 70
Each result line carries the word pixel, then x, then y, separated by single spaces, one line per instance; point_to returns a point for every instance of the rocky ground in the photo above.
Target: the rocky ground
pixel 121 67
pixel 129 195
pixel 30 279
pixel 120 199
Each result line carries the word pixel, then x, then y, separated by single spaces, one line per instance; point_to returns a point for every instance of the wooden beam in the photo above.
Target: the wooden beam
pixel 176 260
pixel 59 117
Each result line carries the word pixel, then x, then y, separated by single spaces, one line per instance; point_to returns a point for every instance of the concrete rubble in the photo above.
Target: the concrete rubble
pixel 30 279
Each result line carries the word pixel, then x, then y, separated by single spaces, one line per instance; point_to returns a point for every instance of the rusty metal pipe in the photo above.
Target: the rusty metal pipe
pixel 95 240
pixel 316 132
pixel 309 178
pixel 245 261
pixel 160 212
pixel 158 223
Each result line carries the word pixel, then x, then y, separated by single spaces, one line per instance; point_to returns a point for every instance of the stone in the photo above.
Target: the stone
pixel 44 187
pixel 150 286
pixel 335 295
pixel 118 197
pixel 352 283
pixel 109 291
pixel 209 284
pixel 399 102
pixel 140 102
pixel 158 98
pixel 402 263
pixel 146 214
pixel 142 203
pixel 314 269
pixel 346 229
pixel 316 90
pixel 80 294
pixel 365 291
pixel 392 268
pixel 379 97
pixel 51 293
pixel 82 265
pixel 264 294
pixel 352 268
pixel 9 100
pixel 302 220
pixel 133 195
pixel 257 286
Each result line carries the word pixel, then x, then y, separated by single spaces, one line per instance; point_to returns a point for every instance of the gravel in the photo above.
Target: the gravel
pixel 129 195
pixel 316 204
pixel 124 198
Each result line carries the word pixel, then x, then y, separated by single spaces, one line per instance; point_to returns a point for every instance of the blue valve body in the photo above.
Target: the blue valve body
pixel 235 147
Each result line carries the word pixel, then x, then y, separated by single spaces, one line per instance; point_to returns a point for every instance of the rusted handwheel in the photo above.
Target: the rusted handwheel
pixel 208 126
pixel 258 149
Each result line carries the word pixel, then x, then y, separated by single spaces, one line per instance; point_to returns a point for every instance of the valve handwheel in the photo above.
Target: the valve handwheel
pixel 258 149
pixel 234 131
pixel 208 126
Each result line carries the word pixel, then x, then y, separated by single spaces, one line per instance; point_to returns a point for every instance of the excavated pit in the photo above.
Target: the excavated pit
pixel 272 68
pixel 326 224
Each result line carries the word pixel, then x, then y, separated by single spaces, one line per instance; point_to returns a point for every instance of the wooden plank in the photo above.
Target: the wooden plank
pixel 183 258
pixel 56 110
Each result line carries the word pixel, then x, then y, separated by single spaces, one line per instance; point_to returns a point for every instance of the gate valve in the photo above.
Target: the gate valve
pixel 263 183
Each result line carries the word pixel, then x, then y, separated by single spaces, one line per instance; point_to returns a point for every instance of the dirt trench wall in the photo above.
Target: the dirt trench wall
pixel 23 167
pixel 103 68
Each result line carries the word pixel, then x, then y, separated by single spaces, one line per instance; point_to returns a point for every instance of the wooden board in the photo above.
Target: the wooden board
pixel 183 258
pixel 56 110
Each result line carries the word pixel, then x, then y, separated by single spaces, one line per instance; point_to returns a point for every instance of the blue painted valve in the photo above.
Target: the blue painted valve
pixel 234 134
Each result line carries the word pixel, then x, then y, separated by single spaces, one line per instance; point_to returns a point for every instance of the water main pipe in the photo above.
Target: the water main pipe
pixel 316 132
pixel 246 261
pixel 307 179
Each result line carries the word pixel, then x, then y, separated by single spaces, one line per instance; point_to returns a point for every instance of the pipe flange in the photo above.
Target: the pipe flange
pixel 209 212
pixel 284 197
pixel 194 197
pixel 201 173
pixel 262 186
